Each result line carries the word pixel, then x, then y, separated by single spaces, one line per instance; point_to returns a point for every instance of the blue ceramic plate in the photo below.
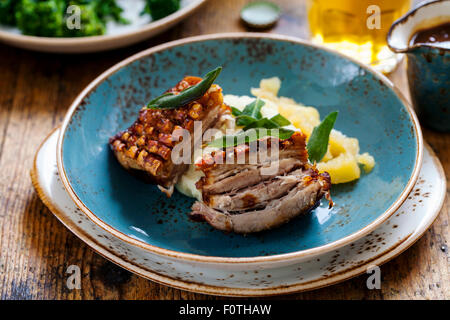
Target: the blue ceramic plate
pixel 370 109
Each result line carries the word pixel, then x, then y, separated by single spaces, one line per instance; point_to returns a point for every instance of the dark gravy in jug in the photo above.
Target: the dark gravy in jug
pixel 438 36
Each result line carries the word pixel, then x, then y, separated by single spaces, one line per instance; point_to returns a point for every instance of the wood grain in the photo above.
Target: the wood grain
pixel 35 91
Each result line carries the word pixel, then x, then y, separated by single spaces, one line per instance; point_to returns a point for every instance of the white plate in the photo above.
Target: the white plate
pixel 117 36
pixel 397 234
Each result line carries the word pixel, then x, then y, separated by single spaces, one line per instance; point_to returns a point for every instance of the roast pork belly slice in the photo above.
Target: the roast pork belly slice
pixel 246 198
pixel 302 198
pixel 145 148
pixel 259 195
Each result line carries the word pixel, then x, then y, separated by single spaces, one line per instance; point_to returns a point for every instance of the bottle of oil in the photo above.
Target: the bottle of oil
pixel 357 28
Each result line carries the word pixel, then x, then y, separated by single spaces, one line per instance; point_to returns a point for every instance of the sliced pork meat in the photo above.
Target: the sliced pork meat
pixel 246 199
pixel 258 195
pixel 145 148
pixel 246 176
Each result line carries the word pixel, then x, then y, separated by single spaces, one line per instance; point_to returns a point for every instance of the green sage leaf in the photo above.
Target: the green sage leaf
pixel 318 141
pixel 280 120
pixel 254 109
pixel 173 101
pixel 262 123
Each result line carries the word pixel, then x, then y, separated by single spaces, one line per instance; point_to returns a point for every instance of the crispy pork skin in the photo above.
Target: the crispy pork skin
pixel 244 200
pixel 145 148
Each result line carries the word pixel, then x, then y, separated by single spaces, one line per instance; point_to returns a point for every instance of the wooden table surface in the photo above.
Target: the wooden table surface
pixel 36 249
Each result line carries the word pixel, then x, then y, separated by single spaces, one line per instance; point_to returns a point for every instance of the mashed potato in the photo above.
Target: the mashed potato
pixel 341 161
pixel 186 184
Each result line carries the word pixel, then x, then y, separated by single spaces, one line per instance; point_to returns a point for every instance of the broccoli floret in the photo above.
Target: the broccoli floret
pixel 109 9
pixel 48 18
pixel 159 9
pixel 7 9
pixel 41 18
pixel 94 15
pixel 90 22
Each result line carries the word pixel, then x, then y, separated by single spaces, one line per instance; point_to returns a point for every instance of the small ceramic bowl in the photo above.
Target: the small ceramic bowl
pixel 371 109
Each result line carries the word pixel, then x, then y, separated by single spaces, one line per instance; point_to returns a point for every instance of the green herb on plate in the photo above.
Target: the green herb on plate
pixel 318 141
pixel 251 113
pixel 251 117
pixel 280 120
pixel 262 123
pixel 255 126
pixel 159 9
pixel 276 121
pixel 254 109
pixel 172 101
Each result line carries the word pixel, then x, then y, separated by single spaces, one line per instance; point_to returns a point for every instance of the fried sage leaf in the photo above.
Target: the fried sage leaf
pixel 173 101
pixel 318 141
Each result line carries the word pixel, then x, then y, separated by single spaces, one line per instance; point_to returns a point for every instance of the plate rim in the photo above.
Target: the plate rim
pixel 214 259
pixel 52 43
pixel 391 253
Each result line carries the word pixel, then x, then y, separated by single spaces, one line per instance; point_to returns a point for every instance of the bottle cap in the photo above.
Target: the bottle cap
pixel 260 14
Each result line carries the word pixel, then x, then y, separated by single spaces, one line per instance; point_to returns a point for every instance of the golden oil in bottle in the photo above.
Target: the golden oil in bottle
pixel 357 28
